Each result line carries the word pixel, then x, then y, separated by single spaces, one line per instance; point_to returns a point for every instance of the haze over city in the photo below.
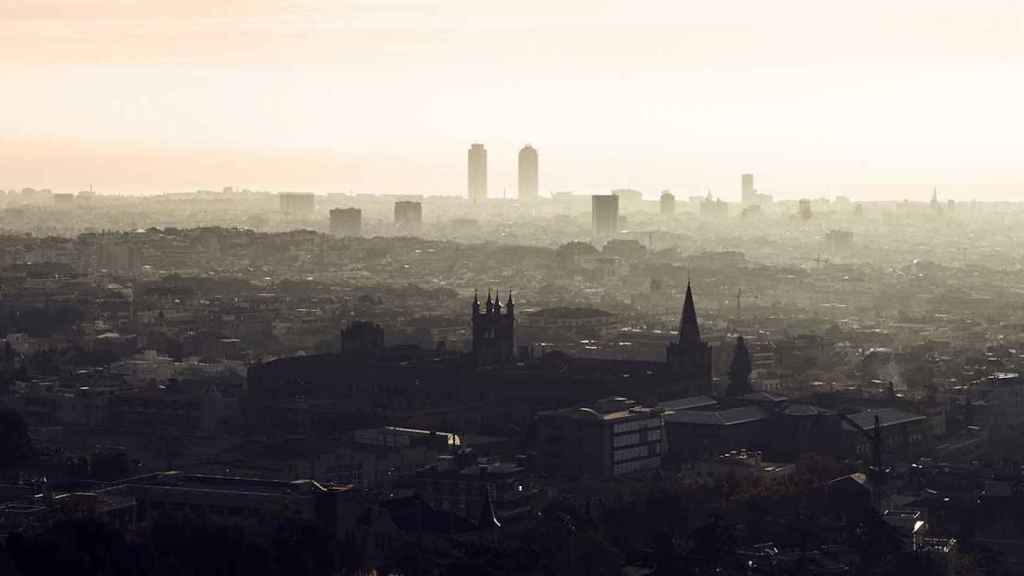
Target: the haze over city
pixel 453 287
pixel 873 101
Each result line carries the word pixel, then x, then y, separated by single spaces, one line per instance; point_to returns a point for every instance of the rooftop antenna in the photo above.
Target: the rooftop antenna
pixel 739 294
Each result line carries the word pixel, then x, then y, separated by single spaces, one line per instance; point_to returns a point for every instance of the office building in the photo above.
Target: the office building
pixel 749 195
pixel 408 215
pixel 63 199
pixel 747 183
pixel 629 199
pixel 297 202
pixel 477 173
pixel 528 176
pixel 604 209
pixel 667 203
pixel 604 439
pixel 805 209
pixel 346 222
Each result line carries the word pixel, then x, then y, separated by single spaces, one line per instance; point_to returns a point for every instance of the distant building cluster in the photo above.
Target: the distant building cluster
pixel 297 202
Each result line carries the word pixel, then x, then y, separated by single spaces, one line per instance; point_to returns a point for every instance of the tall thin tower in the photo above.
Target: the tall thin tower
pixel 747 188
pixel 528 175
pixel 477 172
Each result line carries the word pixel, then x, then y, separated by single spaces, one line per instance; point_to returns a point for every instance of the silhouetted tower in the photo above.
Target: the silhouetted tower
pixel 494 339
pixel 477 172
pixel 935 201
pixel 740 370
pixel 528 174
pixel 604 209
pixel 690 357
pixel 747 192
pixel 805 209
pixel 361 341
pixel 667 203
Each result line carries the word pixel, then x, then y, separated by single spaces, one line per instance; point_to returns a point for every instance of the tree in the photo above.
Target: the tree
pixel 739 371
pixel 15 443
pixel 571 252
pixel 712 543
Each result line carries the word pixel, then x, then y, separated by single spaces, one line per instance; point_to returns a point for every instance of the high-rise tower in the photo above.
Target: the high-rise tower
pixel 747 191
pixel 604 210
pixel 477 172
pixel 667 203
pixel 528 174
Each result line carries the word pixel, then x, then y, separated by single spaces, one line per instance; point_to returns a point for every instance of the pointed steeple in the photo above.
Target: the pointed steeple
pixel 497 302
pixel 490 304
pixel 689 331
pixel 510 306
pixel 476 303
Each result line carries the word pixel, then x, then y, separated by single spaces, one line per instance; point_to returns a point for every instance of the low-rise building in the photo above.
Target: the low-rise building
pixel 607 438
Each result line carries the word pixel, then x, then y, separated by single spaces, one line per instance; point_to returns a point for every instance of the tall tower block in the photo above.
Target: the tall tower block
pixel 528 174
pixel 477 172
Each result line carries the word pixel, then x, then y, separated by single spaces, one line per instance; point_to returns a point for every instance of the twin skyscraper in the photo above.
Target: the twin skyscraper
pixel 528 173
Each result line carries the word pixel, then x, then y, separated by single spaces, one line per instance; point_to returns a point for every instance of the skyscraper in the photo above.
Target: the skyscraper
pixel 528 178
pixel 477 172
pixel 604 209
pixel 748 189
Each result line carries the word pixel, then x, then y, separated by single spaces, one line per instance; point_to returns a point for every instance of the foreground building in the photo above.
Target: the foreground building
pixel 603 439
pixel 365 381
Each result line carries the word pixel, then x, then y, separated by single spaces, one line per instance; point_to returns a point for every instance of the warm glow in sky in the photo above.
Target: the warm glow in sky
pixel 872 99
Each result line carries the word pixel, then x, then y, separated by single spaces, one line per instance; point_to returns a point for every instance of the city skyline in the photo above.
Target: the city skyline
pixel 171 97
pixel 431 287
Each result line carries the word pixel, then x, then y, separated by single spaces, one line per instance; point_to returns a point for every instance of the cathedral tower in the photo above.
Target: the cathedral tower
pixel 494 339
pixel 690 357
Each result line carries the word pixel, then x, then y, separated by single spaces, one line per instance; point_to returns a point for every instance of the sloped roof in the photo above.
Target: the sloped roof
pixel 886 417
pixel 688 403
pixel 728 417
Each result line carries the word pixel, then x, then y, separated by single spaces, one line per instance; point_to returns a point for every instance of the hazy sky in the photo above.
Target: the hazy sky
pixel 871 99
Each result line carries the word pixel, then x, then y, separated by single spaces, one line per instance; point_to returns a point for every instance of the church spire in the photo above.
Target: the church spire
pixel 476 303
pixel 689 331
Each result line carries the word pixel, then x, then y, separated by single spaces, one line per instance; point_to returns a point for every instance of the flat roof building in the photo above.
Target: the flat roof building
pixel 604 439
pixel 604 209
pixel 346 222
pixel 477 172
pixel 296 202
pixel 408 215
